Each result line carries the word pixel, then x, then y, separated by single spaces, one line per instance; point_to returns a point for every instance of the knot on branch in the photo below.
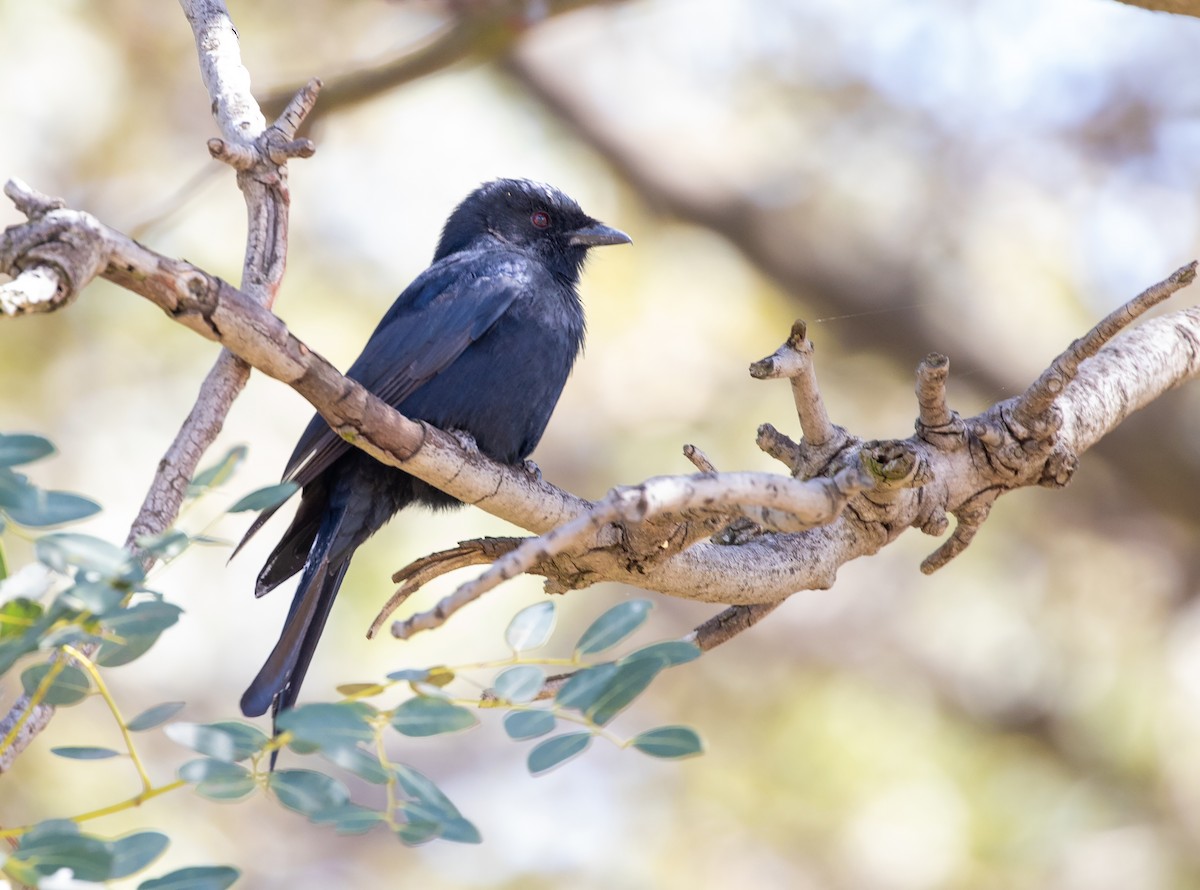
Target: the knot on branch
pixel 277 144
pixel 51 258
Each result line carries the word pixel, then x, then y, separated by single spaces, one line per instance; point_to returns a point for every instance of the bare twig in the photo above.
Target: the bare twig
pixel 419 572
pixel 779 501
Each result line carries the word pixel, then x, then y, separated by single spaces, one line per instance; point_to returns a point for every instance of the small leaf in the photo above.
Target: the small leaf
pixel 17 616
pixel 85 753
pixel 131 631
pixel 229 741
pixel 47 508
pixel 531 627
pixel 23 448
pixel 349 818
pixel 203 877
pixel 360 690
pixel 265 498
pixel 155 716
pixel 628 683
pixel 417 831
pixel 218 779
pixel 430 716
pixel 613 626
pixel 521 725
pixel 557 749
pixel 307 791
pixel 134 852
pixel 328 725
pixel 90 858
pixel 420 787
pixel 521 683
pixel 63 550
pixel 585 686
pixel 460 831
pixel 669 652
pixel 12 650
pixel 70 686
pixel 217 474
pixel 97 597
pixel 671 742
pixel 409 675
pixel 362 763
pixel 166 546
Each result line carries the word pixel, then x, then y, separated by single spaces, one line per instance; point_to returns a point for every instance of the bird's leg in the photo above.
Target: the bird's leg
pixel 532 470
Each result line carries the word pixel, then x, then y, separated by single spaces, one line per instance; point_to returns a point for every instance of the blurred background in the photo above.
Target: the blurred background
pixel 982 178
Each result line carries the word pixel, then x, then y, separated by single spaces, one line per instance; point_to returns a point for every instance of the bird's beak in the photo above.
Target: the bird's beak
pixel 597 235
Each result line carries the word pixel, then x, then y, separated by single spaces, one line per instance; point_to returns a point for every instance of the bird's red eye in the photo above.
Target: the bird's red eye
pixel 540 219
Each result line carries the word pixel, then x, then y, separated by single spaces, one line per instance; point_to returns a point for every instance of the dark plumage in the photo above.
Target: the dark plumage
pixel 482 341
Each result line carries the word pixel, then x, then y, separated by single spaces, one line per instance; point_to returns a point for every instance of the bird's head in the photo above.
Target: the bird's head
pixel 530 216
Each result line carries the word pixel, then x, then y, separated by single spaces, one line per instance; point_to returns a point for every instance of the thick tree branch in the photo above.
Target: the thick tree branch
pixel 956 467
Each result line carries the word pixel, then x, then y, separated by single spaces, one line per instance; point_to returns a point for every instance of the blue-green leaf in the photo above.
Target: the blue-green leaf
pixel 168 545
pixel 421 788
pixel 349 818
pixel 424 716
pixel 521 683
pixel 90 858
pixel 83 752
pixel 218 779
pixel 409 675
pixel 217 474
pixel 23 448
pixel 46 508
pixel 69 687
pixel 97 597
pixel 362 763
pixel 307 791
pixel 203 877
pixel 418 831
pixel 628 683
pixel 521 725
pixel 64 550
pixel 134 852
pixel 328 724
pixel 557 749
pixel 671 742
pixel 531 627
pixel 229 741
pixel 613 626
pixel 265 498
pixel 669 652
pixel 131 631
pixel 154 716
pixel 460 831
pixel 585 686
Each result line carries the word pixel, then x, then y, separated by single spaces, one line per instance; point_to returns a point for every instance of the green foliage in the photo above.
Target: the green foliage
pixel 95 611
pixel 57 844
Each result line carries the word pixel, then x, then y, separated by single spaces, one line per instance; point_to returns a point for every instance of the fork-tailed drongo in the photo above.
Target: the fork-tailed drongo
pixel 482 342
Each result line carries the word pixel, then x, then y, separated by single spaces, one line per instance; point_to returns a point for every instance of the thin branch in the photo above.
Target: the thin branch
pixel 262 177
pixel 774 499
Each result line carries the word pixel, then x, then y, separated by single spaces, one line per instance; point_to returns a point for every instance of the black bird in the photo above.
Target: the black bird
pixel 481 342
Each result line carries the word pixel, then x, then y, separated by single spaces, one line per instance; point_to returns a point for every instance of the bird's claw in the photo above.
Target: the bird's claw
pixel 465 440
pixel 532 470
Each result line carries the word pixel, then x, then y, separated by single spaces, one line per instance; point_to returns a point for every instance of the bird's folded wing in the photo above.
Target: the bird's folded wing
pixel 450 306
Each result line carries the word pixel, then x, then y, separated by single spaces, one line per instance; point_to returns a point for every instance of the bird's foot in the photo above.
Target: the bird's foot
pixel 532 470
pixel 466 440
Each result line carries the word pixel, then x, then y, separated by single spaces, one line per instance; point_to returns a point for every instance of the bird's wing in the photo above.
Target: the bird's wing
pixel 447 308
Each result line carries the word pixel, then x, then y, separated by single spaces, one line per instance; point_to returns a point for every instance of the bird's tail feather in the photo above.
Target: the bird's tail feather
pixel 278 682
